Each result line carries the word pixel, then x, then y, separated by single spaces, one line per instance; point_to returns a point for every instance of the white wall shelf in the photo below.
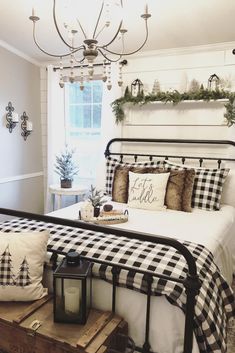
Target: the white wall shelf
pixel 185 113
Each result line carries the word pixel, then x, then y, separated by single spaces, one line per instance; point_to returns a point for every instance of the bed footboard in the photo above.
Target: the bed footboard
pixel 191 282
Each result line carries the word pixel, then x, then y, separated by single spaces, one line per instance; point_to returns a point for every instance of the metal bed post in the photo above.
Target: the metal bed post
pixel 192 285
pixel 115 273
pixel 146 345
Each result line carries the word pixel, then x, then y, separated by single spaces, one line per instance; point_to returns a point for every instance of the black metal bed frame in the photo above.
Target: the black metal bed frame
pixel 191 282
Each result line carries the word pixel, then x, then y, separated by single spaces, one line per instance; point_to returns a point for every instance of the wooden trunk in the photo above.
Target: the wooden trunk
pixel 101 332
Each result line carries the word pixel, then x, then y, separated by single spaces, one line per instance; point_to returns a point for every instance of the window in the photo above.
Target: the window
pixel 83 127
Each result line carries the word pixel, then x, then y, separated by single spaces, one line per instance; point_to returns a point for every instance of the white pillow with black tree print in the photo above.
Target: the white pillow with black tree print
pixel 22 257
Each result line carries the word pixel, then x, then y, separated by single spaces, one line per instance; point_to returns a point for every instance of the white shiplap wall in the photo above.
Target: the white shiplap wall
pixel 43 87
pixel 174 69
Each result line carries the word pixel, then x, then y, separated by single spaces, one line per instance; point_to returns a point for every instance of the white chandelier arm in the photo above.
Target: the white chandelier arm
pixel 98 19
pixel 133 52
pixel 105 56
pixel 53 55
pixel 58 30
pixel 79 61
pixel 100 31
pixel 115 36
pixel 81 28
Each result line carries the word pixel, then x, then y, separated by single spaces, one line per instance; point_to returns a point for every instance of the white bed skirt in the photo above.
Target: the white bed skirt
pixel 166 320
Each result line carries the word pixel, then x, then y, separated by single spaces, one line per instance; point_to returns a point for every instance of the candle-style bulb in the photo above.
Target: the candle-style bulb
pixel 33 12
pixel 146 9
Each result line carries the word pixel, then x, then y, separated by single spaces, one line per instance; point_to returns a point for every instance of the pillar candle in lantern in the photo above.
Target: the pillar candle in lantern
pixel 72 300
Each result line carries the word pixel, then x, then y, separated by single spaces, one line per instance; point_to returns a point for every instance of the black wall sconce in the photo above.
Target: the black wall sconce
pixel 11 117
pixel 26 126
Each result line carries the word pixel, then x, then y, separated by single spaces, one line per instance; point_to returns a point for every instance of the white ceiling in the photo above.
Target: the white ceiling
pixel 174 24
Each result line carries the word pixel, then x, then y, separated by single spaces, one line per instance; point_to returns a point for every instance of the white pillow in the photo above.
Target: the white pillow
pixel 229 189
pixel 147 191
pixel 22 257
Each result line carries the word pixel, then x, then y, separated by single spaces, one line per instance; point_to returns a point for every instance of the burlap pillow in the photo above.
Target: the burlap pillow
pixel 147 190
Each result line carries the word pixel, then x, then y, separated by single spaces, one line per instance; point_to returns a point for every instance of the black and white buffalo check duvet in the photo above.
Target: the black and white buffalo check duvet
pixel 215 302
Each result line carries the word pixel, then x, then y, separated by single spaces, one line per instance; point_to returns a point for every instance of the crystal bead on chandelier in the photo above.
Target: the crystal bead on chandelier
pixel 90 49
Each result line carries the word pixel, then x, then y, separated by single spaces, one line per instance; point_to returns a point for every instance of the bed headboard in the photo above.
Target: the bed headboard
pixel 184 143
pixel 195 153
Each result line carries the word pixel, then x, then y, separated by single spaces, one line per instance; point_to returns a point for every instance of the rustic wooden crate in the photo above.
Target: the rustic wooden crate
pixel 97 336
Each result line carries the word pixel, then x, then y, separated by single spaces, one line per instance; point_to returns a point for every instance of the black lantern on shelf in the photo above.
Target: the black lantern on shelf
pixel 136 88
pixel 72 285
pixel 213 82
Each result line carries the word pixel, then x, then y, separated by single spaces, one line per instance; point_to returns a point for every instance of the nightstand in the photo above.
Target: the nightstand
pixel 56 190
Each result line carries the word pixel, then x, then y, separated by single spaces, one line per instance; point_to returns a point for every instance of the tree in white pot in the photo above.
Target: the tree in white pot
pixel 66 168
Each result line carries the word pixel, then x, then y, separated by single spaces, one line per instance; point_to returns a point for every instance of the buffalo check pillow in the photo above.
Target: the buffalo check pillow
pixel 112 164
pixel 208 185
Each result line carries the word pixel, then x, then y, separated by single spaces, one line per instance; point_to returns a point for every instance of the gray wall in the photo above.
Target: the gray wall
pixel 20 84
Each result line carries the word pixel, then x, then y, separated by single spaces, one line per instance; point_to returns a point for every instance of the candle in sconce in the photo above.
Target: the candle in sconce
pixel 15 117
pixel 33 12
pixel 29 126
pixel 71 300
pixel 146 9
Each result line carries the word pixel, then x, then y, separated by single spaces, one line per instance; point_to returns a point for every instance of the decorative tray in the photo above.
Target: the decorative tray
pixel 111 217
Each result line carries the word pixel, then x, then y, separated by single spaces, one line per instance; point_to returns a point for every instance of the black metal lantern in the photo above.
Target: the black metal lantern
pixel 213 82
pixel 72 285
pixel 136 88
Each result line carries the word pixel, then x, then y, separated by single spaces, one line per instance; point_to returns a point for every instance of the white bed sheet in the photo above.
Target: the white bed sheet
pixel 213 229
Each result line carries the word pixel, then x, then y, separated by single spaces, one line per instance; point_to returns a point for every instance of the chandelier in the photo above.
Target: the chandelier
pixel 85 47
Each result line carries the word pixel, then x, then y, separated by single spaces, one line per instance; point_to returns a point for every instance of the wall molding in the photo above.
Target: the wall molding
pixel 20 177
pixel 19 53
pixel 186 50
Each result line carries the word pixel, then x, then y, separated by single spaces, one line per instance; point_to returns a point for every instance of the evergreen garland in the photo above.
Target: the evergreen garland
pixel 176 97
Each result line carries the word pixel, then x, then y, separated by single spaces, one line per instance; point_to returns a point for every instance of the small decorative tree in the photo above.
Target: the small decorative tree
pixel 66 168
pixel 96 197
pixel 194 86
pixel 156 87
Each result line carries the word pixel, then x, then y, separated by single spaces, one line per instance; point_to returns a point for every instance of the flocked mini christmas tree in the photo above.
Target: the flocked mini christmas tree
pixel 156 87
pixel 66 167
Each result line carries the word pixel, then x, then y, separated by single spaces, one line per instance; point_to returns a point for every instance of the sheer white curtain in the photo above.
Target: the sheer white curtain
pixel 109 129
pixel 55 130
pixel 56 134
